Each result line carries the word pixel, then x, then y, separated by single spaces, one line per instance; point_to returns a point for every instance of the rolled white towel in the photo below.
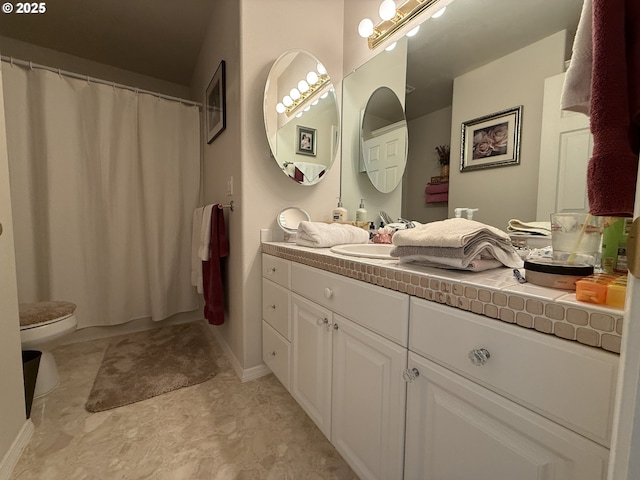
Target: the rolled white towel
pixel 323 235
pixel 453 232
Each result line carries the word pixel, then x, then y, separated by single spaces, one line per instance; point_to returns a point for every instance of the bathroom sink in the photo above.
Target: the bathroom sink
pixel 368 250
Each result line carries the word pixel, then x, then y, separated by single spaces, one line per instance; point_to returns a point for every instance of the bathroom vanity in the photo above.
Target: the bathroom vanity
pixel 420 373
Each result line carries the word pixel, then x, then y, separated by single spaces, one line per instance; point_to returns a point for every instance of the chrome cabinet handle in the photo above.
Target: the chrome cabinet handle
pixel 335 327
pixel 272 354
pixel 272 307
pixel 328 293
pixel 479 356
pixel 322 322
pixel 410 375
pixel 272 270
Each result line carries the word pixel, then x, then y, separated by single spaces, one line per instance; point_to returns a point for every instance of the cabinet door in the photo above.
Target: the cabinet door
pixel 459 430
pixel 369 397
pixel 311 361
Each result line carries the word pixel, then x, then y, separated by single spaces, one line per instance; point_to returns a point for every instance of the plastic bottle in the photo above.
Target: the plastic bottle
pixel 361 213
pixel 339 214
pixel 611 236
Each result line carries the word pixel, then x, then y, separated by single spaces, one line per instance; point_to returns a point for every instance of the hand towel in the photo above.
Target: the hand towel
pixel 205 233
pixel 196 263
pixel 310 171
pixel 453 232
pixel 212 268
pixel 436 197
pixel 505 255
pixel 538 228
pixel 576 91
pixel 475 265
pixel 436 188
pixel 615 107
pixel 322 235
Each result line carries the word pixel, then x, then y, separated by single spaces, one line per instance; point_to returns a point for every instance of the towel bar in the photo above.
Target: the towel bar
pixel 230 206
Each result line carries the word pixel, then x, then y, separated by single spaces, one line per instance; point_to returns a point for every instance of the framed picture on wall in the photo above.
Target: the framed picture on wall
pixel 306 141
pixel 491 141
pixel 216 104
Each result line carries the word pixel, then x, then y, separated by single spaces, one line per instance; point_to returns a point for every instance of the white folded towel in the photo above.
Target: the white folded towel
pixel 482 250
pixel 311 171
pixel 196 263
pixel 475 265
pixel 453 232
pixel 205 234
pixel 538 228
pixel 322 235
pixel 576 91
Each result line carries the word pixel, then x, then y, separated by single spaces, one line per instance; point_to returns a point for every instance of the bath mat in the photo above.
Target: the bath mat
pixel 150 363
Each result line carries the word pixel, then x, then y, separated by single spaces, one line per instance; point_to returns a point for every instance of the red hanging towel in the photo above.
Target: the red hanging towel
pixel 615 107
pixel 211 270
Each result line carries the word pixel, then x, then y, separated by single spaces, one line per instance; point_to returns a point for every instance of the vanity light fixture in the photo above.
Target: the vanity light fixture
pixel 299 96
pixel 391 47
pixel 392 19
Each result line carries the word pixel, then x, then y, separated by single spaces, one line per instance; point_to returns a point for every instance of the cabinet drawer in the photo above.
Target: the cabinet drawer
pixel 379 309
pixel 276 353
pixel 277 270
pixel 569 383
pixel 275 307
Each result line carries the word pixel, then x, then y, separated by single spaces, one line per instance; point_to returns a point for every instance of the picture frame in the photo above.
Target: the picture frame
pixel 216 104
pixel 306 140
pixel 491 141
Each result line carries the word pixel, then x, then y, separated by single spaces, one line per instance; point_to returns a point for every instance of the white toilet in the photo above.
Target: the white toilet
pixel 42 326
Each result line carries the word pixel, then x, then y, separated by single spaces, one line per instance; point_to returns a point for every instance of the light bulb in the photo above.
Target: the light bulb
pixel 315 102
pixel 307 108
pixel 365 28
pixel 280 108
pixel 299 115
pixel 413 32
pixel 303 86
pixel 287 100
pixel 324 95
pixel 391 47
pixel 439 13
pixel 312 78
pixel 387 10
pixel 294 93
pixel 321 69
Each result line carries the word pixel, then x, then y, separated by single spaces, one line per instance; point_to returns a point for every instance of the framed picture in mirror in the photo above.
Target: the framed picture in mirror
pixel 491 141
pixel 216 115
pixel 306 142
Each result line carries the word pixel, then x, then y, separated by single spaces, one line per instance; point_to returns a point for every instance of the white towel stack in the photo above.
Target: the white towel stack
pixel 456 243
pixel 323 235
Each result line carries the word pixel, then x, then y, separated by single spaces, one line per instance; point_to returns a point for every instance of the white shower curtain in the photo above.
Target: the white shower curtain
pixel 103 185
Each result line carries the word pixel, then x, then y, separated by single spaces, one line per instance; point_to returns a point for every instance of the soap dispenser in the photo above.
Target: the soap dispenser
pixel 339 214
pixel 470 213
pixel 361 213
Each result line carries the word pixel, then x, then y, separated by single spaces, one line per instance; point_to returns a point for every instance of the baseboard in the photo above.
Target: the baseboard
pixel 244 375
pixel 13 455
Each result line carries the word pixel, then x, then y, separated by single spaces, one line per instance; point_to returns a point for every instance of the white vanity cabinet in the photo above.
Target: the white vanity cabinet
pixel 494 401
pixel 276 317
pixel 345 375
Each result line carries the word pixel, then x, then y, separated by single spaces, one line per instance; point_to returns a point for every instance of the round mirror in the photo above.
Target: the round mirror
pixel 384 139
pixel 301 117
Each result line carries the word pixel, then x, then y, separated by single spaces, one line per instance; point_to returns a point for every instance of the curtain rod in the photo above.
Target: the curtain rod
pixel 31 65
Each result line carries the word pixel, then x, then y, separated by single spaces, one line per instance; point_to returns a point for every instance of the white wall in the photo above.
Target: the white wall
pixel 52 58
pixel 516 79
pixel 250 35
pixel 12 411
pixel 425 134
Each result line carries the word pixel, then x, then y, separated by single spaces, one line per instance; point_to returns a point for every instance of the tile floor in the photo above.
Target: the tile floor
pixel 219 430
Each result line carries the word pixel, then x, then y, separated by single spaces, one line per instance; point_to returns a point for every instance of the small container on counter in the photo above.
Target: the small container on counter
pixel 555 274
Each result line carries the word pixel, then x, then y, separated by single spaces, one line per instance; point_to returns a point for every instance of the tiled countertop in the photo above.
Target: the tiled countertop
pixel 493 293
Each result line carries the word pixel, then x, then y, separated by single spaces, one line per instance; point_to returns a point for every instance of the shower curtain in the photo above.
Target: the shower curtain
pixel 103 185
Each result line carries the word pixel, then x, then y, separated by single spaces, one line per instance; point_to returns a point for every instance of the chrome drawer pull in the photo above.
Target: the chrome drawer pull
pixel 272 306
pixel 328 293
pixel 272 354
pixel 272 269
pixel 479 356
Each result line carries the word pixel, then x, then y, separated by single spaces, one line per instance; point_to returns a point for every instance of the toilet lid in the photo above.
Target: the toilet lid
pixel 44 312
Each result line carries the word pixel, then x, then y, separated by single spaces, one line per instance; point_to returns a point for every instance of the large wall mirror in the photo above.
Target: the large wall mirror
pixel 383 139
pixel 301 117
pixel 477 59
